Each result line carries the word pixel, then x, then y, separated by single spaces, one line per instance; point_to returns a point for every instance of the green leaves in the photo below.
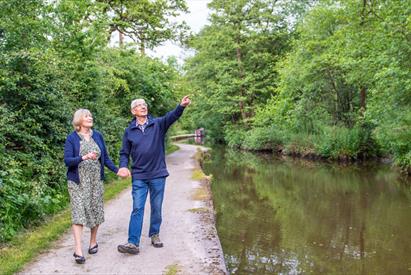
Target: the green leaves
pixel 349 67
pixel 234 66
pixel 147 23
pixel 23 24
pixel 54 59
pixel 330 77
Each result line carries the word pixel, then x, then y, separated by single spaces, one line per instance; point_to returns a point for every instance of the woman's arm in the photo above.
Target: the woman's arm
pixel 107 161
pixel 69 158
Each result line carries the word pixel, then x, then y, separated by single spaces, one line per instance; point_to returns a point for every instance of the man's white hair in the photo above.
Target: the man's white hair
pixel 135 102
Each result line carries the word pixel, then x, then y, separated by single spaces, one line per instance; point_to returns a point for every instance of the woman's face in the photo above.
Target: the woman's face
pixel 87 121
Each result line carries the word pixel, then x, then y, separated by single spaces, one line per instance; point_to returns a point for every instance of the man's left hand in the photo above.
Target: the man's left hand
pixel 185 101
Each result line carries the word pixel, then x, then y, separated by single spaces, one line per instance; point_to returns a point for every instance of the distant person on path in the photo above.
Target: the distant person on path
pixel 85 156
pixel 144 141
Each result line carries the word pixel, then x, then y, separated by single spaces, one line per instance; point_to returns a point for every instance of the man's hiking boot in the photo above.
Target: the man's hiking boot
pixel 155 241
pixel 129 248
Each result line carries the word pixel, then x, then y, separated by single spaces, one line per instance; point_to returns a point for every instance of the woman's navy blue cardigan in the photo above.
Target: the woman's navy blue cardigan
pixel 72 156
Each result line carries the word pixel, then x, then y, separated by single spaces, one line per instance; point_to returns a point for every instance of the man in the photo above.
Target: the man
pixel 143 140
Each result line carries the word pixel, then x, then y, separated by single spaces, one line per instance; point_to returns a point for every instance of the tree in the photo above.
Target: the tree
pixel 235 56
pixel 148 23
pixel 345 81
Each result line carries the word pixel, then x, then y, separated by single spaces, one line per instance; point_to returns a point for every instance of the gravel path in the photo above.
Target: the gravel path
pixel 191 245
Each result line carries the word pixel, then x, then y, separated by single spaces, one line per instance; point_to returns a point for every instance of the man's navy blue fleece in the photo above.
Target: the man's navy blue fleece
pixel 72 156
pixel 147 149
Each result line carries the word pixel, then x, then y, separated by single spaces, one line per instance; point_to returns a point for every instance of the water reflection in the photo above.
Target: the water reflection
pixel 285 216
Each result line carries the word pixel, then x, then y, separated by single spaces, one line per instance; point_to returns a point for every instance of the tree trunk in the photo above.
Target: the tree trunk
pixel 142 48
pixel 241 74
pixel 120 39
pixel 335 96
pixel 113 28
pixel 142 40
pixel 363 96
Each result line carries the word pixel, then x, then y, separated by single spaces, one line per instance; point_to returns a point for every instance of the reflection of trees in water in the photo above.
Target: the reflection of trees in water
pixel 284 216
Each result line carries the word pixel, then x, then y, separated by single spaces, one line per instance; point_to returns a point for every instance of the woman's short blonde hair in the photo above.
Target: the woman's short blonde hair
pixel 78 117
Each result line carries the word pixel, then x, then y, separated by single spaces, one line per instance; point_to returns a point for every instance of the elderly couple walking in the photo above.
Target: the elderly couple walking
pixel 85 156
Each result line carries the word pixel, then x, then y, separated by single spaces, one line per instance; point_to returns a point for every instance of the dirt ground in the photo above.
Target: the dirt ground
pixel 191 244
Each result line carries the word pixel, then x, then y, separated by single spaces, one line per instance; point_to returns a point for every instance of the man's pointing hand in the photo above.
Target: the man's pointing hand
pixel 185 101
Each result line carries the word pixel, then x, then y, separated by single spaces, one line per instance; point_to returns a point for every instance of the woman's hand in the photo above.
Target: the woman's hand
pixel 91 155
pixel 123 172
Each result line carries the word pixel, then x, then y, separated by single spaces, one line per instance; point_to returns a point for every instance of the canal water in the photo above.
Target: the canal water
pixel 283 216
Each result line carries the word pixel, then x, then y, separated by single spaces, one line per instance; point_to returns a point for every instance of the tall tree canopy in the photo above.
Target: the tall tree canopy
pixel 234 65
pixel 329 77
pixel 148 23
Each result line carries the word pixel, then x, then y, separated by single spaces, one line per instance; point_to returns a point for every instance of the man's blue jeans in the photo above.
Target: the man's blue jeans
pixel 139 193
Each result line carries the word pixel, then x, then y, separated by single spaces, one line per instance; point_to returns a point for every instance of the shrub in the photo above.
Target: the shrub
pixel 339 142
pixel 263 138
pixel 234 135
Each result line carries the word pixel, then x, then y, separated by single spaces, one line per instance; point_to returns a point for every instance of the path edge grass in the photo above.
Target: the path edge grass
pixel 30 243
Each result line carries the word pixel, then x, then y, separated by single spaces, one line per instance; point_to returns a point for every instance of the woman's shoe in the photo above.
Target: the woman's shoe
pixel 79 259
pixel 93 250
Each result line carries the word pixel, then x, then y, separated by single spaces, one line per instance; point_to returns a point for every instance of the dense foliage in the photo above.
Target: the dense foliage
pixel 318 78
pixel 234 66
pixel 328 78
pixel 54 59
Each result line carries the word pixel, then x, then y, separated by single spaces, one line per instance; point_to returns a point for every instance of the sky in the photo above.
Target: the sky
pixel 196 19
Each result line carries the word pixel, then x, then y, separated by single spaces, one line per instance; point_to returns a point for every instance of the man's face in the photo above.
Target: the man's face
pixel 140 109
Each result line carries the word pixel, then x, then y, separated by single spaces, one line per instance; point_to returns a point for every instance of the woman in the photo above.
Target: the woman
pixel 85 156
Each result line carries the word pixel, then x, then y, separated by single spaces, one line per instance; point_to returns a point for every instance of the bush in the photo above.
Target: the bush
pixel 234 136
pixel 299 143
pixel 33 125
pixel 339 142
pixel 394 137
pixel 263 138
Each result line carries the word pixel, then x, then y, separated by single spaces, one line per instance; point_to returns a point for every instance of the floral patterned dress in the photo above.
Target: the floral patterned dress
pixel 86 198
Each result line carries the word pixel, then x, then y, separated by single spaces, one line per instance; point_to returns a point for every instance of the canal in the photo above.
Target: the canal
pixel 282 216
